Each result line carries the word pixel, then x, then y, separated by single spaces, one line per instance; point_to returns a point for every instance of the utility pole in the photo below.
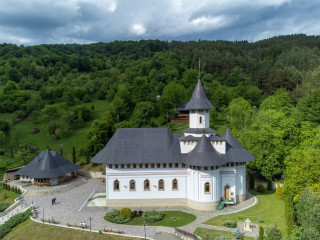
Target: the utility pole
pixel 90 218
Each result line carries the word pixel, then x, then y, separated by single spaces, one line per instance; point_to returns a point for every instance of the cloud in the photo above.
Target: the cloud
pixel 84 21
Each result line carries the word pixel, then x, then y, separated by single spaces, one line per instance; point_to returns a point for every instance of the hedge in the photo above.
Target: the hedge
pixel 152 216
pixel 114 217
pixel 13 221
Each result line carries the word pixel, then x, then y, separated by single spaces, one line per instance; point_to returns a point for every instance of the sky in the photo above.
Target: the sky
pixel 33 22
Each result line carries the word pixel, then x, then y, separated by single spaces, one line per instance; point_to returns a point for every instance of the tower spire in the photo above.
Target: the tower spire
pixel 199 69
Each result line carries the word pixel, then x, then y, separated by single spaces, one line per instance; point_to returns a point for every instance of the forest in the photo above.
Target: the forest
pixel 71 98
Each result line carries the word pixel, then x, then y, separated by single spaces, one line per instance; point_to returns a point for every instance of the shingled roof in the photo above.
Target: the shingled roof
pixel 204 155
pixel 199 99
pixel 234 150
pixel 140 145
pixel 49 164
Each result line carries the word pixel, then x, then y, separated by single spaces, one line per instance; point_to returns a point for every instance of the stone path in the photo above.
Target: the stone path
pixel 71 206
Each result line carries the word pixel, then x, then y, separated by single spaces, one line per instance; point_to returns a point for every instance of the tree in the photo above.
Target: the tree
pixel 74 155
pixel 2 136
pixel 261 233
pixel 309 107
pixel 143 114
pixel 273 233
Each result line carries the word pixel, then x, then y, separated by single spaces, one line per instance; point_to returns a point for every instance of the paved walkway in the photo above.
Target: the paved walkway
pixel 72 200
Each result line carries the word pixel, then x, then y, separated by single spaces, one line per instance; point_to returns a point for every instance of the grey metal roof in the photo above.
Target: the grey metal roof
pixel 234 150
pixel 140 145
pixel 199 99
pixel 204 155
pixel 200 131
pixel 49 164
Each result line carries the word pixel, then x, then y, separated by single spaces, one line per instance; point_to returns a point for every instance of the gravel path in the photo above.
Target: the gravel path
pixel 71 206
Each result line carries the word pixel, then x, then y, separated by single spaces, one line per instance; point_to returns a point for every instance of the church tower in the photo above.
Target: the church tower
pixel 198 108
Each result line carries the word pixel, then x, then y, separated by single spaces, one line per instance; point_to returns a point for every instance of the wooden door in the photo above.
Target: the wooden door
pixel 227 195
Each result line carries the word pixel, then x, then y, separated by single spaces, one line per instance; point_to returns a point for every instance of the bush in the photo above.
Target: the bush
pixel 259 220
pixel 114 217
pixel 273 233
pixel 230 224
pixel 152 216
pixel 140 213
pixel 260 188
pixel 279 192
pixel 126 213
pixel 4 206
pixel 238 234
pixel 134 213
pixel 13 221
pixel 4 196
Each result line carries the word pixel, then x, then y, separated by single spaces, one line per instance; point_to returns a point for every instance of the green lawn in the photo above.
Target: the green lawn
pixel 213 234
pixel 42 139
pixel 10 196
pixel 270 209
pixel 31 230
pixel 171 219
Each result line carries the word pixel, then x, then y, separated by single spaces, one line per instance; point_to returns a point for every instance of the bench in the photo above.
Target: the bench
pixel 47 220
pixel 71 224
pixel 112 230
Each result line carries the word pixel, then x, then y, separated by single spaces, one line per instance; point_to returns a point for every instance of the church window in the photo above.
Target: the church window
pixel 175 184
pixel 164 165
pixel 128 165
pixel 116 166
pixel 177 165
pixel 170 165
pixel 161 185
pixel 158 165
pixel 205 168
pixel 134 165
pixel 212 168
pixel 184 142
pixel 188 142
pixel 152 165
pixel 199 168
pixel 110 165
pixel 200 120
pixel 122 165
pixel 232 164
pixel 207 187
pixel 183 165
pixel 132 185
pixel 207 110
pixel 146 185
pixel 146 165
pixel 116 185
pixel 140 165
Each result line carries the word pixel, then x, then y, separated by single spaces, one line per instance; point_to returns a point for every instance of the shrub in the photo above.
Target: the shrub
pixel 273 233
pixel 114 217
pixel 259 219
pixel 279 192
pixel 140 213
pixel 288 212
pixel 5 196
pixel 134 213
pixel 230 224
pixel 260 188
pixel 13 221
pixel 126 213
pixel 152 216
pixel 238 234
pixel 261 233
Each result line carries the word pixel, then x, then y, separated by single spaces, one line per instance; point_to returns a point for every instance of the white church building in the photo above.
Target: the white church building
pixel 152 168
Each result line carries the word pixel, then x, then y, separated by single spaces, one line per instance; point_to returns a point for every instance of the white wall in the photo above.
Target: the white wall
pixel 140 175
pixel 194 119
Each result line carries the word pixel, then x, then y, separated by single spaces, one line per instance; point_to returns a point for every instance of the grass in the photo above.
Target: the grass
pixel 11 196
pixel 171 219
pixel 270 209
pixel 213 234
pixel 43 139
pixel 94 167
pixel 32 230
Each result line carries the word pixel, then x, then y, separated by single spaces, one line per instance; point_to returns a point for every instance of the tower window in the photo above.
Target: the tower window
pixel 200 120
pixel 116 185
pixel 161 185
pixel 146 185
pixel 175 184
pixel 132 185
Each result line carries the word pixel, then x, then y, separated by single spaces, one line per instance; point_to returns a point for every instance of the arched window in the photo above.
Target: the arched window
pixel 175 184
pixel 146 185
pixel 132 185
pixel 207 187
pixel 116 185
pixel 161 185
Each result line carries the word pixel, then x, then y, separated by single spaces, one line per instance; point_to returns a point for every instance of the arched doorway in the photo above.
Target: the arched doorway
pixel 227 192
